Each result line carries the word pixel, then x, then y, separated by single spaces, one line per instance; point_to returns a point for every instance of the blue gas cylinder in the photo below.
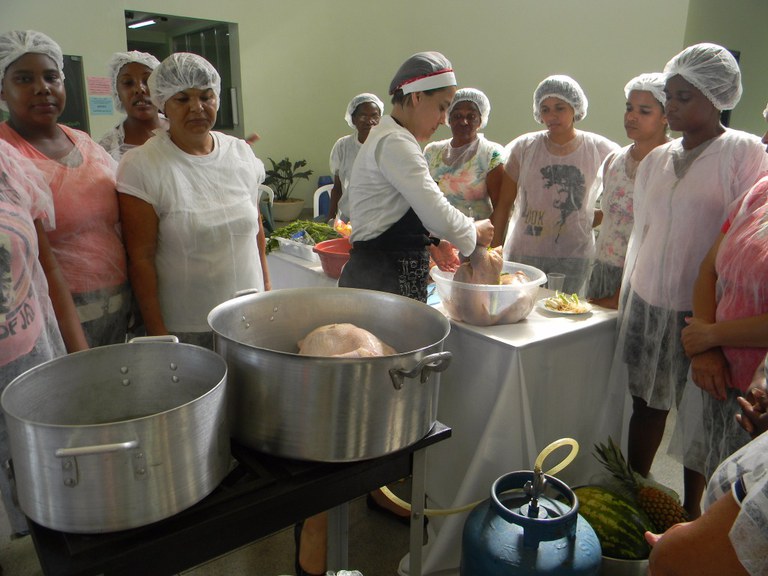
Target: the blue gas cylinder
pixel 525 530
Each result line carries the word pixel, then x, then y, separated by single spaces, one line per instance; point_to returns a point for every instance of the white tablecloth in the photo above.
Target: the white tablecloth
pixel 287 271
pixel 509 392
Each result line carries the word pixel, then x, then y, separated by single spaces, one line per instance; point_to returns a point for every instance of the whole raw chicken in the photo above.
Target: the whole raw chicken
pixel 485 266
pixel 344 341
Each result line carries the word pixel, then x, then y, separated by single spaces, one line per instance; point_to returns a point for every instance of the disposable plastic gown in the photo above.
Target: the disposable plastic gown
pixel 749 533
pixel 551 224
pixel 742 292
pixel 114 142
pixel 87 241
pixel 29 334
pixel 27 320
pixel 208 223
pixel 343 156
pixel 677 218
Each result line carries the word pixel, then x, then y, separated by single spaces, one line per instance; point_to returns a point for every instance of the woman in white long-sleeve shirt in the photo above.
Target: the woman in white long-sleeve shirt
pixel 396 208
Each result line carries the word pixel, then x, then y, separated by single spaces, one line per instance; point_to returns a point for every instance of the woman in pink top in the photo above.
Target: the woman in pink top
pixel 80 173
pixel 727 336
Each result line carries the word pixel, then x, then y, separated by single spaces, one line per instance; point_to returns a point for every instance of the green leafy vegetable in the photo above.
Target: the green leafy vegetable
pixel 319 231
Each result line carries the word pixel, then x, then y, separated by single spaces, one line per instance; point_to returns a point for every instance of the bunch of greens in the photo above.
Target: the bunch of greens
pixel 319 231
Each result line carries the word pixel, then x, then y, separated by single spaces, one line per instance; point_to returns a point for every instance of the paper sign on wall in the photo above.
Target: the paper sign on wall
pixel 100 105
pixel 100 85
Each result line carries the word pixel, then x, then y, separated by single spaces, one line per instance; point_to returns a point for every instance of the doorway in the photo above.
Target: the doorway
pixel 214 40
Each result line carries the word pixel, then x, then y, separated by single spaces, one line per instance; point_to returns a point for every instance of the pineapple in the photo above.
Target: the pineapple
pixel 663 510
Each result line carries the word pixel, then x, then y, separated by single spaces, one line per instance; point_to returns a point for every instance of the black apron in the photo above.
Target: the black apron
pixel 396 262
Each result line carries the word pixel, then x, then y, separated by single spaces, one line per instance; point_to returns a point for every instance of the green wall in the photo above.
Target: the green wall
pixel 737 25
pixel 302 60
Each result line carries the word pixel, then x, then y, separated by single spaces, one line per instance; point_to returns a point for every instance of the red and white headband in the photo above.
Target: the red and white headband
pixel 439 79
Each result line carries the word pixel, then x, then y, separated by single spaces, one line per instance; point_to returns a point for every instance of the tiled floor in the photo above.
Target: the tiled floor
pixel 376 542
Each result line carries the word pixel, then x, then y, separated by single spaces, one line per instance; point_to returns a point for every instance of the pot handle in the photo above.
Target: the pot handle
pixel 245 292
pixel 431 363
pixel 164 338
pixel 99 449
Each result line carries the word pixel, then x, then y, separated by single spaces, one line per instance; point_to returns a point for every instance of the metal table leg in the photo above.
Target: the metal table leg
pixel 418 486
pixel 338 537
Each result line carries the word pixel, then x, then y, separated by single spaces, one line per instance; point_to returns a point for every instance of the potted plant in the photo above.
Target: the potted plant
pixel 282 179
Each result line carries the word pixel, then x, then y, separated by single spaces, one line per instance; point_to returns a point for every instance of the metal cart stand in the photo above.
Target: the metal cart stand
pixel 261 495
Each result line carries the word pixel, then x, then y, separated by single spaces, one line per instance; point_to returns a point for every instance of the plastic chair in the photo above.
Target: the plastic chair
pixel 319 198
pixel 264 189
pixel 265 207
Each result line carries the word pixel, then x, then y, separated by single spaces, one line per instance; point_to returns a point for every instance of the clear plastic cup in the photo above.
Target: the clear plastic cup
pixel 555 281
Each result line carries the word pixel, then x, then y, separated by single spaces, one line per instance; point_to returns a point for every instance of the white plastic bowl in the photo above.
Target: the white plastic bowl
pixel 488 304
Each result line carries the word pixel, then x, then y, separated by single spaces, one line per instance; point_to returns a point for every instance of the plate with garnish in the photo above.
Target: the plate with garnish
pixel 566 304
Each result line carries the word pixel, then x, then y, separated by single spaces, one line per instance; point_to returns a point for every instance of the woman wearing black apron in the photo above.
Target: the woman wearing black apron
pixel 397 214
pixel 397 211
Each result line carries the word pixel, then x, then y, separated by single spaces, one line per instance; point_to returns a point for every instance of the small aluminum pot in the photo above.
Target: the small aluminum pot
pixel 329 409
pixel 119 436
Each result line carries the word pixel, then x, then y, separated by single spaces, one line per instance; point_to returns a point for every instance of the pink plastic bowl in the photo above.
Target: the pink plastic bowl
pixel 333 255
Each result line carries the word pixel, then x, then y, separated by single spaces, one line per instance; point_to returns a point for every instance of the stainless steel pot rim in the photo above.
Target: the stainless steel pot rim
pixel 334 360
pixel 129 421
pixel 214 357
pixel 286 294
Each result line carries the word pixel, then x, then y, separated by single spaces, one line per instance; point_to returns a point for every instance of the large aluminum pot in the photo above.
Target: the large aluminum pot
pixel 119 436
pixel 329 409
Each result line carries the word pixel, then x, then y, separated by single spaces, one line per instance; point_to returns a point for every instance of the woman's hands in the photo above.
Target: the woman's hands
pixel 484 230
pixel 445 256
pixel 754 406
pixel 698 336
pixel 754 415
pixel 709 371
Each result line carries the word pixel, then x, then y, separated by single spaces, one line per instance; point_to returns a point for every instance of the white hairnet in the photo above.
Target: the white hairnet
pixel 477 98
pixel 16 43
pixel 565 88
pixel 361 99
pixel 179 72
pixel 652 82
pixel 765 112
pixel 120 59
pixel 711 69
pixel 423 71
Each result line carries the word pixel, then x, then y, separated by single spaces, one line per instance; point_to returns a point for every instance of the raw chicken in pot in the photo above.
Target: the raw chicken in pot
pixel 343 341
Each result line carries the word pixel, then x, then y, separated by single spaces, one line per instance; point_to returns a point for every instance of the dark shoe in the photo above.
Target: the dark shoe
pixel 297 541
